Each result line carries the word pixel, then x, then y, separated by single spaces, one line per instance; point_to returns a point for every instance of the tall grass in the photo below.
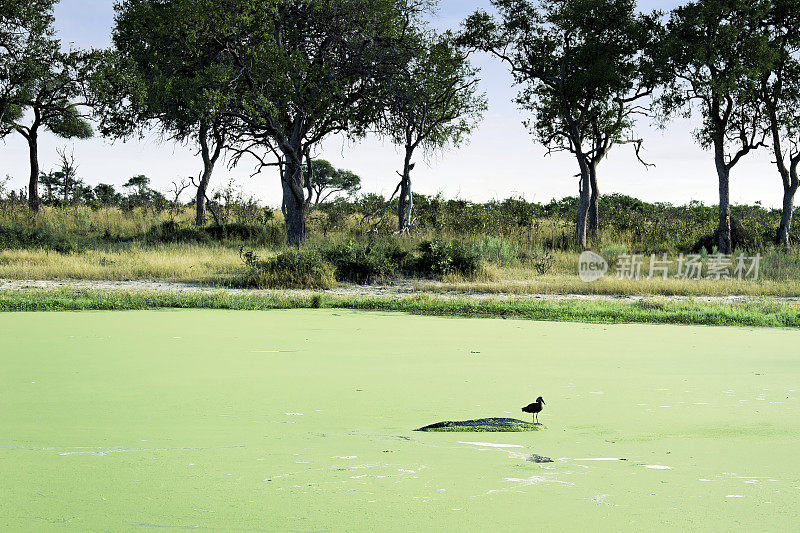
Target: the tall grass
pixel 510 238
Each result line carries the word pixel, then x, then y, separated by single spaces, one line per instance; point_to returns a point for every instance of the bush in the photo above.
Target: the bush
pixel 171 232
pixel 355 263
pixel 498 250
pixel 441 258
pixel 740 238
pixel 262 235
pixel 293 269
pixel 15 236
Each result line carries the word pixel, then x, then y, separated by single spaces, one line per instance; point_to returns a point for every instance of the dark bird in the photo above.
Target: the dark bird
pixel 534 408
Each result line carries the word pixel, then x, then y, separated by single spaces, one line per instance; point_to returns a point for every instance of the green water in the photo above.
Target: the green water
pixel 303 420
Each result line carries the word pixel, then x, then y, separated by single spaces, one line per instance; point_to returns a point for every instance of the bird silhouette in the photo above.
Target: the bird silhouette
pixel 534 408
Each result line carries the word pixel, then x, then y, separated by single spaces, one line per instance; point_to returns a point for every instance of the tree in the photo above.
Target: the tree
pixel 26 31
pixel 432 103
pixel 106 195
pixel 51 99
pixel 162 73
pixel 62 185
pixel 38 79
pixel 584 66
pixel 138 185
pixel 779 92
pixel 715 54
pixel 68 176
pixel 303 71
pixel 327 181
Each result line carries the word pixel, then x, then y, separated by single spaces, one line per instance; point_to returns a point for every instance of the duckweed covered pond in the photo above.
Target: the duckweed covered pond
pixel 304 420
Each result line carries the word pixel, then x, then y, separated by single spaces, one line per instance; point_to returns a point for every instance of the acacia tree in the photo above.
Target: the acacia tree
pixel 715 55
pixel 584 67
pixel 302 71
pixel 779 92
pixel 163 73
pixel 432 103
pixel 328 180
pixel 26 31
pixel 53 98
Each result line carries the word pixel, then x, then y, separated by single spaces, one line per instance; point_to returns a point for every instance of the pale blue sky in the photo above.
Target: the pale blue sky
pixel 501 159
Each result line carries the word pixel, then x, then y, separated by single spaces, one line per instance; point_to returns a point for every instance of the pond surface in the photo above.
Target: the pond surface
pixel 303 420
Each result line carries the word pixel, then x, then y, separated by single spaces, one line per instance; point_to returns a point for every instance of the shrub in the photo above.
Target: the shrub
pixel 171 232
pixel 15 236
pixel 293 269
pixel 740 238
pixel 262 235
pixel 439 258
pixel 498 250
pixel 355 263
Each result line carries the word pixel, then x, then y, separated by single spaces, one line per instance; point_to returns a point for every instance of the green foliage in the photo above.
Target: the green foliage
pixel 583 66
pixel 106 195
pixel 327 181
pixel 23 236
pixel 173 232
pixel 714 53
pixel 296 72
pixel 440 258
pixel 293 269
pixel 356 263
pixel 771 314
pixel 433 99
pixel 164 70
pixel 26 39
pixel 56 83
pixel 498 250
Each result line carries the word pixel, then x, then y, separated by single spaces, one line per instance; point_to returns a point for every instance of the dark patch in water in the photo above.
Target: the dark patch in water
pixel 482 425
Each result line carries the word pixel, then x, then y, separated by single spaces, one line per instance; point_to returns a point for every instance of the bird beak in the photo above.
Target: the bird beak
pixel 543 403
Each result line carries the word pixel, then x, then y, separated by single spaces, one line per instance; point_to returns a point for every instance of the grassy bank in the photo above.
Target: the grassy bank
pixel 653 311
pixel 219 265
pixel 510 247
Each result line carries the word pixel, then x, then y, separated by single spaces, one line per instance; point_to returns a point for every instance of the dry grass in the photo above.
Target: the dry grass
pixel 107 259
pixel 180 262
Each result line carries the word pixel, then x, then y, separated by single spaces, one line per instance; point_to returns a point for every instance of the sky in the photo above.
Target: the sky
pixel 500 160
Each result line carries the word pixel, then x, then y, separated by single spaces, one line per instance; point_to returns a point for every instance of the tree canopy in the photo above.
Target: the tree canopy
pixel 583 65
pixel 714 53
pixel 301 71
pixel 432 103
pixel 779 93
pixel 327 180
pixel 166 71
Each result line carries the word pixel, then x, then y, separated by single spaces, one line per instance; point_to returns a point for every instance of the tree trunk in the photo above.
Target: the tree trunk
pixel 583 206
pixel 66 189
pixel 786 214
pixel 405 203
pixel 200 203
pixel 724 246
pixel 594 214
pixel 209 160
pixel 33 184
pixel 295 203
pixel 202 189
